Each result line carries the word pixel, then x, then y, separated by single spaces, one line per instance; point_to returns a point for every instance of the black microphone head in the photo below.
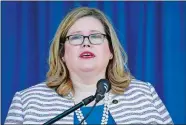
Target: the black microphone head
pixel 103 86
pixel 104 83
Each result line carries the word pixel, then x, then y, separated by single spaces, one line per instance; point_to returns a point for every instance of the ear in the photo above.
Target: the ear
pixel 111 56
pixel 63 59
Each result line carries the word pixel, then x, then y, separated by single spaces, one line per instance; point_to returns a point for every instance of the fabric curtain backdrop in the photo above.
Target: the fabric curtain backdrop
pixel 152 33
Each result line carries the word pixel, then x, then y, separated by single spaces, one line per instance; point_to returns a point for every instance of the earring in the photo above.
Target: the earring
pixel 63 59
pixel 111 56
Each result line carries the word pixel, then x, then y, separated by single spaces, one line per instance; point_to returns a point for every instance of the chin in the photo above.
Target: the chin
pixel 87 69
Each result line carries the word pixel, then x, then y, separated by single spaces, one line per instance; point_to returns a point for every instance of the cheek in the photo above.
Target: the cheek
pixel 105 51
pixel 70 51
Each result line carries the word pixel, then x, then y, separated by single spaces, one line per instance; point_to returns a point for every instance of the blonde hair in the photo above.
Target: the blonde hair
pixel 58 75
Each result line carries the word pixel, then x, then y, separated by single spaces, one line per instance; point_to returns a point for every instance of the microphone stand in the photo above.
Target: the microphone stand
pixel 72 109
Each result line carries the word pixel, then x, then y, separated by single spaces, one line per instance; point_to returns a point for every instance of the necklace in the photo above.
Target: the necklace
pixel 104 119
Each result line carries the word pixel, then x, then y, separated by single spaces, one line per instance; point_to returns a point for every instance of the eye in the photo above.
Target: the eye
pixel 75 37
pixel 96 36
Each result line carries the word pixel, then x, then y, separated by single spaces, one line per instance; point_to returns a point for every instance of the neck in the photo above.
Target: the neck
pixel 85 86
pixel 80 87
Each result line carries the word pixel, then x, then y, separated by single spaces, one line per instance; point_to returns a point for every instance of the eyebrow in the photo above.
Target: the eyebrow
pixel 76 32
pixel 95 31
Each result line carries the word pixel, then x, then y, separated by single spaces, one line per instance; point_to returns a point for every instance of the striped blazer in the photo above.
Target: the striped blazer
pixel 139 104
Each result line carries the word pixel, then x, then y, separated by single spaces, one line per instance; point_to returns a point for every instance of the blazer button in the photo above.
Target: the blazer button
pixel 114 101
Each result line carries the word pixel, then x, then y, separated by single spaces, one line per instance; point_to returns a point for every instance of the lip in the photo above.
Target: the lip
pixel 91 53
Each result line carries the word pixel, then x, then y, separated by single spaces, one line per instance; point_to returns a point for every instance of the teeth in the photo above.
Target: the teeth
pixel 86 54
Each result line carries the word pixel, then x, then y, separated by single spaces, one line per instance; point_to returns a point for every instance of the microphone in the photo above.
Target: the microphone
pixel 103 86
pixel 72 109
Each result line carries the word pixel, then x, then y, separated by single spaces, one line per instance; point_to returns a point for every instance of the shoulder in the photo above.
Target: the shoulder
pixel 141 100
pixel 40 94
pixel 138 83
pixel 40 89
pixel 138 88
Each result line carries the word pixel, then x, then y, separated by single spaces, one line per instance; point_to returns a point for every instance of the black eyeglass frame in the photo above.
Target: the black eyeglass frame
pixel 67 37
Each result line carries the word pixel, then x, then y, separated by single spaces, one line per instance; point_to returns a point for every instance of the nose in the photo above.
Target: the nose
pixel 86 42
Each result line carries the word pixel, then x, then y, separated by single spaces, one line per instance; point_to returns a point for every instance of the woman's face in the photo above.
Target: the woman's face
pixel 86 57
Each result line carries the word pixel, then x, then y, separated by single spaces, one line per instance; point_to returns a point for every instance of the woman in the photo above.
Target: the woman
pixel 84 50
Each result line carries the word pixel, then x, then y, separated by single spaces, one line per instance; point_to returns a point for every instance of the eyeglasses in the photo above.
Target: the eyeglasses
pixel 95 39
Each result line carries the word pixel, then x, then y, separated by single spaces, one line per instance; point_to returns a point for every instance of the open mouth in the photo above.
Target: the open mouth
pixel 87 55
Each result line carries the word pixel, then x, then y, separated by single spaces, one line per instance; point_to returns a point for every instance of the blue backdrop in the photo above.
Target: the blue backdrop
pixel 152 33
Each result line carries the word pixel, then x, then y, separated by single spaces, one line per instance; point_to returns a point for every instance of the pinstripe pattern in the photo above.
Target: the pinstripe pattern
pixel 139 104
